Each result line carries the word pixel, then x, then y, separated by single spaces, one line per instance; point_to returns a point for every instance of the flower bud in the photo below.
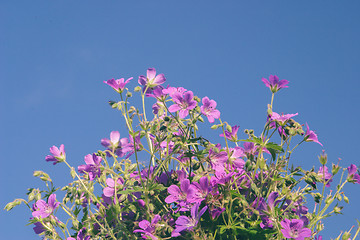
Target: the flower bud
pixel 137 89
pixel 214 127
pixel 335 169
pixel 166 119
pixel 129 94
pixel 346 199
pixel 323 158
pixel 346 236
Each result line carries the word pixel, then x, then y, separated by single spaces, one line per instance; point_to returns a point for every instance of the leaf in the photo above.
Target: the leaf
pixel 274 146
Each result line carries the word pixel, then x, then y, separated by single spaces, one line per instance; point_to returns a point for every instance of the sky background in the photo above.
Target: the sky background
pixel 55 55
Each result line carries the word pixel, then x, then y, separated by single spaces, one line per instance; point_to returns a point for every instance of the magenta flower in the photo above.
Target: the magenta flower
pixel 118 84
pixel 147 228
pixel 310 136
pixel 58 155
pixel 80 236
pixel 180 194
pixel 39 228
pixel 231 135
pixel 324 174
pixel 92 166
pixel 183 103
pixel 151 80
pixel 188 223
pixel 109 191
pixel 208 109
pixel 352 174
pixel 281 119
pixel 294 229
pixel 43 209
pixel 274 84
pixel 120 146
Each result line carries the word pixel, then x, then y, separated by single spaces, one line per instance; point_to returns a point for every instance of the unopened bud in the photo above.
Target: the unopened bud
pixel 214 127
pixel 128 94
pixel 137 89
pixel 323 158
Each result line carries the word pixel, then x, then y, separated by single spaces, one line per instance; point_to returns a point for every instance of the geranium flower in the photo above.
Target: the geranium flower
pixel 118 84
pixel 183 103
pixel 58 155
pixel 151 80
pixel 147 228
pixel 310 136
pixel 208 109
pixel 281 119
pixel 80 236
pixel 294 229
pixel 231 135
pixel 92 166
pixel 324 174
pixel 188 223
pixel 180 194
pixel 120 146
pixel 43 209
pixel 274 84
pixel 109 191
pixel 352 174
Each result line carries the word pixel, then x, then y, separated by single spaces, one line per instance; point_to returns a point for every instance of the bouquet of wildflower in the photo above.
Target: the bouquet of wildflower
pixel 163 180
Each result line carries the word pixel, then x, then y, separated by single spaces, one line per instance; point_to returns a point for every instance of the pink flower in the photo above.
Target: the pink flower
pixel 208 109
pixel 43 209
pixel 118 84
pixel 58 155
pixel 310 136
pixel 151 80
pixel 274 84
pixel 183 103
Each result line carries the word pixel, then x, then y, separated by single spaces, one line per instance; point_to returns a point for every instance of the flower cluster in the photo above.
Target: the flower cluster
pixel 189 187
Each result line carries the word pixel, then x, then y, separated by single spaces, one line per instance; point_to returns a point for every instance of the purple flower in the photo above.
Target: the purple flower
pixel 310 136
pixel 151 80
pixel 208 109
pixel 324 174
pixel 202 189
pixel 39 228
pixel 118 84
pixel 58 155
pixel 180 194
pixel 231 135
pixel 43 209
pixel 80 236
pixel 120 146
pixel 147 228
pixel 109 191
pixel 183 103
pixel 294 229
pixel 188 223
pixel 92 166
pixel 352 174
pixel 274 84
pixel 281 119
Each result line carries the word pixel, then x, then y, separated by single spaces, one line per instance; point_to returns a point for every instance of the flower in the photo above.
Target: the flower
pixel 188 223
pixel 120 146
pixel 274 84
pixel 183 103
pixel 208 109
pixel 80 236
pixel 148 228
pixel 281 119
pixel 294 229
pixel 231 135
pixel 118 84
pixel 92 166
pixel 151 80
pixel 310 136
pixel 58 155
pixel 109 191
pixel 180 194
pixel 352 175
pixel 43 209
pixel 324 174
pixel 39 228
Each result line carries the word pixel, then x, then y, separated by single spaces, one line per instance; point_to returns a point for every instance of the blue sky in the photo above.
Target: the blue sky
pixel 55 56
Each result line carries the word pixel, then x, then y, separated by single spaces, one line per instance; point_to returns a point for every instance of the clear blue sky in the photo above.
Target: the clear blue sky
pixel 54 56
